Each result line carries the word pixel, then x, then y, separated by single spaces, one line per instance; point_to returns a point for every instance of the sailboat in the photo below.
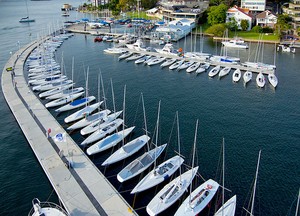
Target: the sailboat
pixel 173 190
pixel 198 199
pixel 113 139
pixel 79 102
pixel 227 209
pixel 26 19
pixel 144 161
pixel 131 147
pixel 162 171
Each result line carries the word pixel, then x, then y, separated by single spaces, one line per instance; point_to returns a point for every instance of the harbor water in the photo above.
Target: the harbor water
pixel 247 117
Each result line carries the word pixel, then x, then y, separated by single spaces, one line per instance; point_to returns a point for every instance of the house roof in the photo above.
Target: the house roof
pixel 235 9
pixel 265 14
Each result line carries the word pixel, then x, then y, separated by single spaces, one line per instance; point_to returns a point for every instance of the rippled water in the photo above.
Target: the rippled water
pixel 248 118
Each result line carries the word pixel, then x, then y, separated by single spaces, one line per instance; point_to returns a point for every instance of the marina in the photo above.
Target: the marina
pixel 225 109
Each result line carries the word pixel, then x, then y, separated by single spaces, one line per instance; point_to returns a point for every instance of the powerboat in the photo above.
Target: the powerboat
pixel 235 43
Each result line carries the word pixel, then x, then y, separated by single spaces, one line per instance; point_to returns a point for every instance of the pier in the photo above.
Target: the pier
pixel 80 186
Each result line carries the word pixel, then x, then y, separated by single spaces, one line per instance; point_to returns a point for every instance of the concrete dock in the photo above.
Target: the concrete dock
pixel 81 187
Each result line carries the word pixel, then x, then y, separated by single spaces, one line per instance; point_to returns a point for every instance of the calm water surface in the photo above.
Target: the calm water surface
pixel 248 118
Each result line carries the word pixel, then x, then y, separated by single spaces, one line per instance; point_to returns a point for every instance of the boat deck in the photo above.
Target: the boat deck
pixel 80 186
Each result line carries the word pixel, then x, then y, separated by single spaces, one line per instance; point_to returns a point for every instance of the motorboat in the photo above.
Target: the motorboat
pixel 193 67
pixel 102 132
pixel 86 111
pixel 46 209
pixel 100 123
pixel 168 49
pixel 260 80
pixel 137 46
pixel 176 64
pixel 198 199
pixel 273 80
pixel 156 61
pixel 235 43
pixel 109 141
pixel 26 20
pixel 214 71
pixel 87 120
pixel 168 62
pixel 185 65
pixel 247 76
pixel 64 93
pixel 76 104
pixel 203 68
pixel 140 164
pixel 170 193
pixel 224 71
pixel 236 76
pixel 63 100
pixel 142 59
pixel 228 208
pixel 114 50
pixel 127 150
pixel 159 174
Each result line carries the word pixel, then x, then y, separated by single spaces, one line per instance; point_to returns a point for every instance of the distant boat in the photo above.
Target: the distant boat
pixel 236 43
pixel 26 20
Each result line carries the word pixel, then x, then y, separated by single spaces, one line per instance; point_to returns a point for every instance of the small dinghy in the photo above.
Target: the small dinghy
pixel 83 112
pixel 142 59
pixel 185 65
pixel 260 80
pixel 100 123
pixel 168 62
pixel 109 141
pixel 87 120
pixel 236 76
pixel 176 64
pixel 213 72
pixel 193 67
pixel 63 100
pixel 156 61
pixel 125 55
pixel 224 71
pixel 76 104
pixel 203 68
pixel 134 57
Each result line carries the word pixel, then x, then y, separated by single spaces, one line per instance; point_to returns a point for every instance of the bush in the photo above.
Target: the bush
pixel 216 30
pixel 267 30
pixel 257 29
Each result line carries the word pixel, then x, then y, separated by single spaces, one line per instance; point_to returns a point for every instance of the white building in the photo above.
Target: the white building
pixel 266 18
pixel 239 14
pixel 254 5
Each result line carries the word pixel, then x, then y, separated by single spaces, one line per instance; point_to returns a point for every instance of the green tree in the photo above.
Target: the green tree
pixel 148 4
pixel 244 25
pixel 282 24
pixel 232 24
pixel 217 14
pixel 216 30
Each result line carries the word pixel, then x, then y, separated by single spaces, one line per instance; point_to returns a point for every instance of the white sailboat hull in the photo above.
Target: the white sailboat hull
pixel 64 92
pixel 171 192
pixel 158 175
pixel 140 164
pixel 62 101
pixel 198 199
pixel 236 76
pixel 109 141
pixel 228 209
pixel 76 104
pixel 127 150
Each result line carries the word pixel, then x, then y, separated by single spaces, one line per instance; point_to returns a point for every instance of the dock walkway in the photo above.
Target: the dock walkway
pixel 81 187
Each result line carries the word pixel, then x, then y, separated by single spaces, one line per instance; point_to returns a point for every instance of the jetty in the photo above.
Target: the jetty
pixel 80 186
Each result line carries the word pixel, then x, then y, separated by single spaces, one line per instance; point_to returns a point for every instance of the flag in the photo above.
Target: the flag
pixel 60 137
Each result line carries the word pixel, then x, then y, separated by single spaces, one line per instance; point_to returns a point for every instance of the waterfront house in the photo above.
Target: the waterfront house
pixel 266 19
pixel 239 14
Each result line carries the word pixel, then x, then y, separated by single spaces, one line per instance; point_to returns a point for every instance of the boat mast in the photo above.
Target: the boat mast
pixel 297 207
pixel 223 174
pixel 104 98
pixel 156 135
pixel 124 114
pixel 113 95
pixel 87 81
pixel 193 160
pixel 254 186
pixel 145 119
pixel 178 142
